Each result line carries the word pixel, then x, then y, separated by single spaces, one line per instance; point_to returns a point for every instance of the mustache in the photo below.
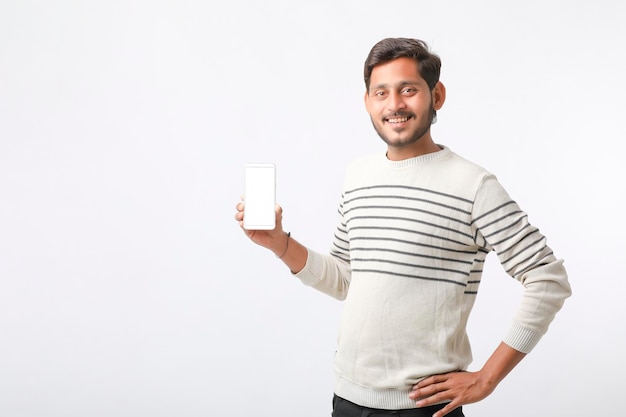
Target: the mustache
pixel 399 114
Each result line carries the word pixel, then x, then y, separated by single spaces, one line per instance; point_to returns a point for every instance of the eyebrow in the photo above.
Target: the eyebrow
pixel 400 84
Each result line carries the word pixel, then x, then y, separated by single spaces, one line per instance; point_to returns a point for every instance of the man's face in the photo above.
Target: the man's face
pixel 399 103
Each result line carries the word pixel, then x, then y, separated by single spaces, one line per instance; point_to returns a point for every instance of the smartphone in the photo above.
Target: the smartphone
pixel 259 197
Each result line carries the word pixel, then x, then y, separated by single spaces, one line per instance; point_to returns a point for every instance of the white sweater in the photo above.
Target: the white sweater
pixel 408 256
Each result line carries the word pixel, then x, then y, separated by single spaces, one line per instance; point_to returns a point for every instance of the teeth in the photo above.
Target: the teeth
pixel 398 120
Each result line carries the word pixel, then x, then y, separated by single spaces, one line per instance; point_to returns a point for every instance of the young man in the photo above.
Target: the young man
pixel 415 226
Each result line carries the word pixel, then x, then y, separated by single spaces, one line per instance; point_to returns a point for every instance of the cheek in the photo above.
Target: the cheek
pixel 432 102
pixel 375 107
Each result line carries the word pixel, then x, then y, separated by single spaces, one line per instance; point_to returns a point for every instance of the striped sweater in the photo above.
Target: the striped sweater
pixel 408 256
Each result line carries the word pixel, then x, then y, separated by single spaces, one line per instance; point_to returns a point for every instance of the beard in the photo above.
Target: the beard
pixel 422 128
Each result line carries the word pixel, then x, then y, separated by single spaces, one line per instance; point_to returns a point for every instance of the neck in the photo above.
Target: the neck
pixel 423 146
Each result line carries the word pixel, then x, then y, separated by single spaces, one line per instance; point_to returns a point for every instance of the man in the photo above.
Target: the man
pixel 415 226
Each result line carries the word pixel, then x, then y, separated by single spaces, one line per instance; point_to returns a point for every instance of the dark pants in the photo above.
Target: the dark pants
pixel 344 408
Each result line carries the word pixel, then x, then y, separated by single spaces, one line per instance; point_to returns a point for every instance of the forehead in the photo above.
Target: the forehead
pixel 400 70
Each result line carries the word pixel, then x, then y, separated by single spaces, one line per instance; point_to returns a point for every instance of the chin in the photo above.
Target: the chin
pixel 400 142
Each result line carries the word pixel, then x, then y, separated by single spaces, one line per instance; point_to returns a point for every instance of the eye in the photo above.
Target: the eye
pixel 409 91
pixel 380 93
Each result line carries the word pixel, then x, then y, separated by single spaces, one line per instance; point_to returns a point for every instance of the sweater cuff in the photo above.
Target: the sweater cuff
pixel 312 269
pixel 521 338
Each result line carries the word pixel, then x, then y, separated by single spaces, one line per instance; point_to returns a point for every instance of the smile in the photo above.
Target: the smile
pixel 398 119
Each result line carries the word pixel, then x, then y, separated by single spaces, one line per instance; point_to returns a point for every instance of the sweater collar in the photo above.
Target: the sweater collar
pixel 418 160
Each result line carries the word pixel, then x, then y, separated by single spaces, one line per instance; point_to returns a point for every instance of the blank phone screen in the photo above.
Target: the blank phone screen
pixel 260 197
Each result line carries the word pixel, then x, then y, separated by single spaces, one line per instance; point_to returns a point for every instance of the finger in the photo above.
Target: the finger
pixel 450 407
pixel 434 393
pixel 425 382
pixel 433 380
pixel 436 397
pixel 421 388
pixel 279 215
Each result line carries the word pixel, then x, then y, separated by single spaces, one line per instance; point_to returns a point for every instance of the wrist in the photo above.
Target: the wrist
pixel 488 379
pixel 498 366
pixel 284 247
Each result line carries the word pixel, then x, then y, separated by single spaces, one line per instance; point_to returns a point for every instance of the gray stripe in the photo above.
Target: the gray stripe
pixel 423 200
pixel 406 187
pixel 415 232
pixel 399 252
pixel 436 226
pixel 408 242
pixel 449 281
pixel 417 266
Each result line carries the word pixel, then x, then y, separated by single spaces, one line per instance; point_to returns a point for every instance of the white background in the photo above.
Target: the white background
pixel 126 287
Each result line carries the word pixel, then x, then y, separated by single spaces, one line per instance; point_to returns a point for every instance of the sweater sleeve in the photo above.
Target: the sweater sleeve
pixel 327 274
pixel 501 225
pixel 331 273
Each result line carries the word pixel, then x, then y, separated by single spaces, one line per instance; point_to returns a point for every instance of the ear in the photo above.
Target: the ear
pixel 438 95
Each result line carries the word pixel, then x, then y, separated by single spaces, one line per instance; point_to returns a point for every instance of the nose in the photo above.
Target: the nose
pixel 396 101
